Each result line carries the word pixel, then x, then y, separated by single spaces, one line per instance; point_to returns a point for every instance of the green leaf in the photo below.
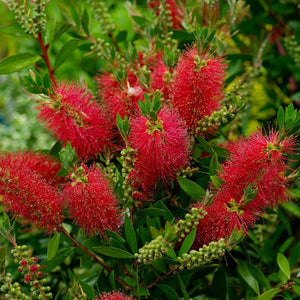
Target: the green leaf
pixel 53 246
pixel 152 212
pixel 57 259
pixel 219 285
pixel 67 156
pixel 268 295
pixel 280 117
pixel 140 291
pixel 292 208
pixel 113 252
pixel 130 234
pixel 2 257
pixel 85 22
pixel 183 289
pixel 17 62
pixel 247 276
pixel 187 243
pixel 217 181
pixel 88 289
pixel 296 289
pixel 284 265
pixel 191 188
pixel 168 291
pixel 65 52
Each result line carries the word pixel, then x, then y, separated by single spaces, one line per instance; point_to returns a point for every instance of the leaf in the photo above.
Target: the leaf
pixel 292 208
pixel 85 22
pixel 113 252
pixel 17 62
pixel 88 289
pixel 53 246
pixel 130 234
pixel 187 243
pixel 57 259
pixel 152 212
pixel 169 292
pixel 280 117
pixel 65 52
pixel 247 276
pixel 67 156
pixel 284 265
pixel 183 289
pixel 219 284
pixel 191 188
pixel 296 289
pixel 140 291
pixel 268 295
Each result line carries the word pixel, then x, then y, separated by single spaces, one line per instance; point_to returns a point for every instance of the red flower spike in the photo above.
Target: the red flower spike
pixel 258 162
pixel 120 99
pixel 91 202
pixel 74 116
pixel 27 195
pixel 162 148
pixel 197 86
pixel 41 164
pixel 24 263
pixel 115 295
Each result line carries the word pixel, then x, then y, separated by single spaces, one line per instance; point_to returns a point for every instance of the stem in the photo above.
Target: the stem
pixel 95 257
pixel 45 57
pixel 162 277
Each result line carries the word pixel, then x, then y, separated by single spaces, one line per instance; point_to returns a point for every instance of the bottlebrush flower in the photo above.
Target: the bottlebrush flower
pixel 27 195
pixel 91 201
pixel 41 164
pixel 197 86
pixel 120 99
pixel 259 160
pixel 175 13
pixel 72 115
pixel 115 295
pixel 253 179
pixel 162 148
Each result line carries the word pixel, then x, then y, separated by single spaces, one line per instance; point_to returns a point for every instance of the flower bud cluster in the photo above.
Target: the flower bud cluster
pixel 191 220
pixel 165 15
pixel 29 267
pixel 128 159
pixel 293 48
pixel 187 172
pixel 216 119
pixel 153 251
pixel 100 9
pixel 33 23
pixel 11 291
pixel 110 169
pixel 204 255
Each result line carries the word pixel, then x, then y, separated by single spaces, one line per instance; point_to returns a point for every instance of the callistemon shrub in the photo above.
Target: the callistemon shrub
pixel 198 85
pixel 163 181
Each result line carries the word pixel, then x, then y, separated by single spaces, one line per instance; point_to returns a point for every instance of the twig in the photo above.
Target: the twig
pixel 95 257
pixel 162 277
pixel 45 57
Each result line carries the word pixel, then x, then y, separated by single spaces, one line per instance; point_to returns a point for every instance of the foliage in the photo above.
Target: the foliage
pixel 175 171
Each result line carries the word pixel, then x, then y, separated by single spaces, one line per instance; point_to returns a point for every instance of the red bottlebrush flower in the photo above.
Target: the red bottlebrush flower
pixel 27 195
pixel 226 213
pixel 41 164
pixel 115 295
pixel 27 278
pixel 91 201
pixel 260 161
pixel 175 13
pixel 120 99
pixel 73 116
pixel 162 148
pixel 160 78
pixel 197 86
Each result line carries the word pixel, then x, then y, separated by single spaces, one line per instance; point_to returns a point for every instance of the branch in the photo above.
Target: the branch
pixel 95 257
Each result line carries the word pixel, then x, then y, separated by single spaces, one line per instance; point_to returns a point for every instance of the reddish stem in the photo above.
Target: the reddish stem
pixel 45 57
